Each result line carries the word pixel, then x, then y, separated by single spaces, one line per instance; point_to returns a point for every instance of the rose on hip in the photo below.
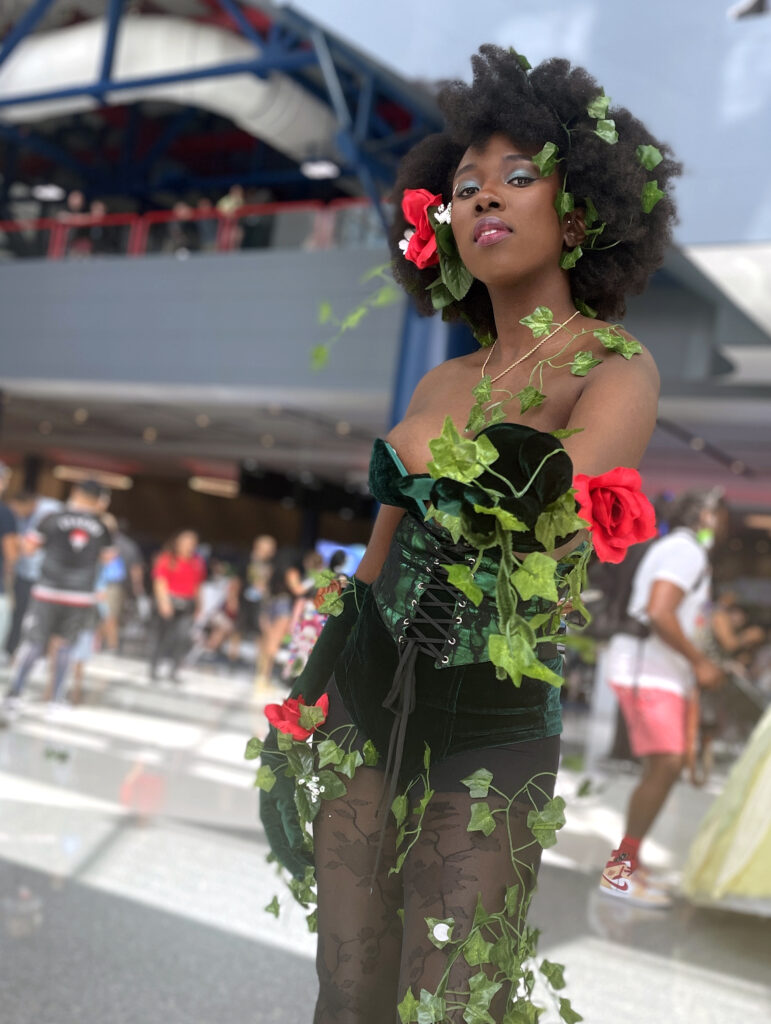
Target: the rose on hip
pixel 287 717
pixel 617 511
pixel 421 246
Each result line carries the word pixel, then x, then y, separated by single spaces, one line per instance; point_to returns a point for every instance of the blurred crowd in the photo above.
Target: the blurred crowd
pixel 74 582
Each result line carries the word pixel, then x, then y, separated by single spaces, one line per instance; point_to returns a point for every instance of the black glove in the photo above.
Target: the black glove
pixel 278 813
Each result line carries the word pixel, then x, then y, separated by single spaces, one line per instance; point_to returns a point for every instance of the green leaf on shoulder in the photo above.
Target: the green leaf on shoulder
pixel 253 749
pixel 614 341
pixel 477 418
pixel 546 823
pixel 651 194
pixel 273 907
pixel 478 783
pixel 530 398
pixel 457 457
pixel 586 309
pixel 582 363
pixel 649 157
pixel 536 577
pixel 265 778
pixel 546 159
pixel 540 321
pixel 598 108
pixel 461 577
pixel 570 257
pixel 481 819
pixel 483 391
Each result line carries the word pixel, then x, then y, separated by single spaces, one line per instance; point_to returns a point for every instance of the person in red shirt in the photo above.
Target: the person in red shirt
pixel 177 576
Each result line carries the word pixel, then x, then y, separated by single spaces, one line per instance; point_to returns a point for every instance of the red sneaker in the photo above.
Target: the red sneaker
pixel 622 882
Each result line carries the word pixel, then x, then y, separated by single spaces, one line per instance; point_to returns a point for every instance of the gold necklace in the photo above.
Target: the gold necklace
pixel 527 354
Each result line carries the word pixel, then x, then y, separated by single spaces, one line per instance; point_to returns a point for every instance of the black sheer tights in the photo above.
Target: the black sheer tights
pixel 366 957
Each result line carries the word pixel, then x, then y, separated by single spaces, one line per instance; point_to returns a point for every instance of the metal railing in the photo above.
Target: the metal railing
pixel 342 223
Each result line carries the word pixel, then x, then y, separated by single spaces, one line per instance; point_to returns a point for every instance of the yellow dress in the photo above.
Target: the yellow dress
pixel 730 859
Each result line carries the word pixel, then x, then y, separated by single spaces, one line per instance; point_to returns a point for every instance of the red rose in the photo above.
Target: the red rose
pixel 617 511
pixel 286 716
pixel 421 247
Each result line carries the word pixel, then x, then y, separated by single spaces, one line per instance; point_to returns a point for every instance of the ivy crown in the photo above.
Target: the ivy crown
pixel 547 104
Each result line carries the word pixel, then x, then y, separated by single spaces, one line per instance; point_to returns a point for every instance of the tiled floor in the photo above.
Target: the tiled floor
pixel 133 880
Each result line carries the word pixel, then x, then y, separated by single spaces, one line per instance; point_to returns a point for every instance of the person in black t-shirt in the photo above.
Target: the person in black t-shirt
pixel 74 541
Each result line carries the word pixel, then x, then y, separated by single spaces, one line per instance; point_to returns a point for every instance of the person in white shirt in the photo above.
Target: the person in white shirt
pixel 652 666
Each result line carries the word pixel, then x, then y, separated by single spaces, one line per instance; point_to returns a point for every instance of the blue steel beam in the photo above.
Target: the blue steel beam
pixel 114 10
pixel 44 147
pixel 247 29
pixel 259 67
pixel 23 27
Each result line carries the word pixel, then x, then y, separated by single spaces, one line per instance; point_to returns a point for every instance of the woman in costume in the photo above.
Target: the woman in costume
pixel 416 816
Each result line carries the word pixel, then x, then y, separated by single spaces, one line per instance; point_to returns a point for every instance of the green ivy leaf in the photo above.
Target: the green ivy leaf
pixel 350 763
pixel 530 398
pixel 524 63
pixel 481 819
pixel 273 907
pixel 431 1009
pixel 429 792
pixel 457 457
pixel 480 914
pixel 253 749
pixel 481 992
pixel 399 808
pixel 334 787
pixel 371 756
pixel 614 341
pixel 590 212
pixel 332 604
pixel 476 950
pixel 308 805
pixel 497 414
pixel 313 922
pixel 329 753
pixel 540 321
pixel 319 357
pixel 325 312
pixel 478 783
pixel 386 295
pixel 285 742
pixel 535 577
pixel 444 927
pixel 483 391
pixel 513 900
pixel 545 824
pixel 476 418
pixel 546 159
pixel 441 296
pixel 649 157
pixel 651 194
pixel 311 716
pixel 460 576
pixel 558 520
pixel 353 319
pixel 299 759
pixel 516 658
pixel 554 973
pixel 586 309
pixel 607 131
pixel 456 276
pixel 507 519
pixel 450 523
pixel 408 1008
pixel 598 108
pixel 564 202
pixel 265 779
pixel 564 432
pixel 567 1012
pixel 570 257
pixel 582 363
pixel 523 1012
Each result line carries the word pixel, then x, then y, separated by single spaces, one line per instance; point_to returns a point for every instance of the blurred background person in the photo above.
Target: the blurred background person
pixel 652 665
pixel 217 618
pixel 9 553
pixel 183 234
pixel 232 232
pixel 207 225
pixel 253 585
pixel 29 509
pixel 287 582
pixel 308 619
pixel 178 573
pixel 75 541
pixel 112 589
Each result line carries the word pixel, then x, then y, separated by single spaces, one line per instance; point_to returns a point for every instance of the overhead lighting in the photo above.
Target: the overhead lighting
pixel 76 474
pixel 320 170
pixel 214 485
pixel 149 435
pixel 758 521
pixel 80 415
pixel 48 193
pixel 343 428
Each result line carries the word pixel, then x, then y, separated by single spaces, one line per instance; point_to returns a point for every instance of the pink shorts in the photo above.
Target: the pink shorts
pixel 656 720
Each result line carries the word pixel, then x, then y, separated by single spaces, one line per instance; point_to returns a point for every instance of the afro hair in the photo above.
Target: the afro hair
pixel 546 104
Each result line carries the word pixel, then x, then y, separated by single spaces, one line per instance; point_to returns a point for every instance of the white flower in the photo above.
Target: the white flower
pixel 406 240
pixel 443 214
pixel 301 782
pixel 322 789
pixel 441 932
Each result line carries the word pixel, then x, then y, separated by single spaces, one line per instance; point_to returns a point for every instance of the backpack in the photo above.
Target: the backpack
pixel 607 594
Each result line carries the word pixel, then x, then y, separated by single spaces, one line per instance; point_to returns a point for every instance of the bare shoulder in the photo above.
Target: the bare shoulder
pixel 635 372
pixel 448 376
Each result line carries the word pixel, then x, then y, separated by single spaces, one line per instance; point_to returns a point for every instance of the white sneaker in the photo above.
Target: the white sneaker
pixel 621 882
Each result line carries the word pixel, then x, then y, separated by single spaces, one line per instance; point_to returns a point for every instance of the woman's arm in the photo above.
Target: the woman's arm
pixel 388 518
